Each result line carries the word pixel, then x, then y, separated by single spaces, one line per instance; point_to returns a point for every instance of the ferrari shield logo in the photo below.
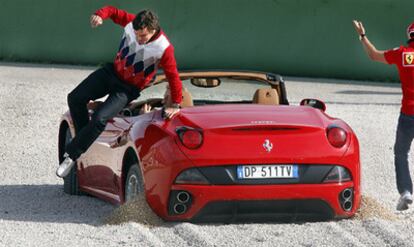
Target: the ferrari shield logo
pixel 268 146
pixel 408 58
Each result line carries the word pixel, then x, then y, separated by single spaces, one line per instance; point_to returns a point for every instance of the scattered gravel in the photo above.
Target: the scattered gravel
pixel 136 211
pixel 371 208
pixel 34 211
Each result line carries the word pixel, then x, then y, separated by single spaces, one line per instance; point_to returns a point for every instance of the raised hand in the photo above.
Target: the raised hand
pixel 96 20
pixel 359 27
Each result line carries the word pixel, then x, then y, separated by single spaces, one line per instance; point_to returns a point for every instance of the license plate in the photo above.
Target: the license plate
pixel 267 171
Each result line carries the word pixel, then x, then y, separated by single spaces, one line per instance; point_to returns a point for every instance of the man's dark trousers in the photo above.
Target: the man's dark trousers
pixel 101 82
pixel 404 138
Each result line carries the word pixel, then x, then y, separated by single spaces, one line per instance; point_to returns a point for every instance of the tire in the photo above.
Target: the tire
pixel 70 182
pixel 134 185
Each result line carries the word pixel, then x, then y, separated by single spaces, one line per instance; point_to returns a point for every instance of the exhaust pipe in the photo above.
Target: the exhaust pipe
pixel 180 202
pixel 183 197
pixel 346 198
pixel 347 205
pixel 346 194
pixel 180 208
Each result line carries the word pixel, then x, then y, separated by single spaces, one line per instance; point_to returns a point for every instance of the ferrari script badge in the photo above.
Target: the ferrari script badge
pixel 268 145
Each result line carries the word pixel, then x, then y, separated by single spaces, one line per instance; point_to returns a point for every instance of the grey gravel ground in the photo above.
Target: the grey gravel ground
pixel 34 211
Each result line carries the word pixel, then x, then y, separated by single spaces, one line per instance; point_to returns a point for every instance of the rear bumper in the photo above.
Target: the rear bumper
pixel 222 203
pixel 265 211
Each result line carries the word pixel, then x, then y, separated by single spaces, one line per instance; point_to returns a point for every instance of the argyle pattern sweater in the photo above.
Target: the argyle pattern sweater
pixel 137 64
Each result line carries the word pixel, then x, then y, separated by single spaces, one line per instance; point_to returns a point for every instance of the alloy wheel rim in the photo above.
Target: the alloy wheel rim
pixel 132 188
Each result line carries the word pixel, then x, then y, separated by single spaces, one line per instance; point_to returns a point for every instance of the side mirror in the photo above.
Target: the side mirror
pixel 205 82
pixel 315 103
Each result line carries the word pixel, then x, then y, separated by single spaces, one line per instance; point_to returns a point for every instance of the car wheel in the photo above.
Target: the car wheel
pixel 134 186
pixel 70 182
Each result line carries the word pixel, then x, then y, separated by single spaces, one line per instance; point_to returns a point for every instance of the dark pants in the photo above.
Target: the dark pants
pixel 98 84
pixel 405 135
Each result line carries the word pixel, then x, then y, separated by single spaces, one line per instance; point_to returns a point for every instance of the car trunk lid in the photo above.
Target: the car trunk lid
pixel 254 134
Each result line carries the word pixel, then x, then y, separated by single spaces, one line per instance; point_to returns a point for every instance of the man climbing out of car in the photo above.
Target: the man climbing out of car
pixel 144 47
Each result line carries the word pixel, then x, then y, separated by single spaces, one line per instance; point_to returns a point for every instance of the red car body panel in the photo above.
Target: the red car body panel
pixel 233 135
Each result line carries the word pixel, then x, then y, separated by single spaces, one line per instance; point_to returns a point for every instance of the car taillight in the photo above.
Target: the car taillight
pixel 190 137
pixel 337 174
pixel 336 136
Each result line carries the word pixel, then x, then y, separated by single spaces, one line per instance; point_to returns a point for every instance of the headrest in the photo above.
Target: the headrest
pixel 187 98
pixel 266 96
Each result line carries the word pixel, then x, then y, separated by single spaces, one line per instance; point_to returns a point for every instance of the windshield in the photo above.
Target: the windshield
pixel 228 90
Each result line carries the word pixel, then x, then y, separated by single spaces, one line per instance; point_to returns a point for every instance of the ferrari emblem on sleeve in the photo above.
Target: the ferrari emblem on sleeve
pixel 408 58
pixel 268 145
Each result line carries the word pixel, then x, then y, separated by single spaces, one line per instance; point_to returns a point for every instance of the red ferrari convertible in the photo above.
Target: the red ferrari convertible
pixel 224 157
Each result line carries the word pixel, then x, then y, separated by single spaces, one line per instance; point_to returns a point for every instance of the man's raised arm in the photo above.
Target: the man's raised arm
pixel 118 16
pixel 370 49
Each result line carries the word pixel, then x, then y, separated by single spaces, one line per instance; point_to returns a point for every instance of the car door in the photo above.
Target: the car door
pixel 103 162
pixel 101 159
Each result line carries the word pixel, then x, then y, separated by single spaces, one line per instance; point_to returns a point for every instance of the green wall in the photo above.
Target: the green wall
pixel 292 37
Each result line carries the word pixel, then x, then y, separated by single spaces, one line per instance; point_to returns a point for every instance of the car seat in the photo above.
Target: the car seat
pixel 266 96
pixel 187 98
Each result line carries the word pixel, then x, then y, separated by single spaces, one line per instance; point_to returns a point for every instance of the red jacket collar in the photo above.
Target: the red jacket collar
pixel 410 43
pixel 156 36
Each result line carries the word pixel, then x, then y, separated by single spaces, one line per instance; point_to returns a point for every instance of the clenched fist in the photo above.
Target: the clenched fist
pixel 96 20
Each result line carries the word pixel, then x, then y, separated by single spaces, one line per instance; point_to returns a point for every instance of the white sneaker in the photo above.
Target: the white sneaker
pixel 65 167
pixel 405 199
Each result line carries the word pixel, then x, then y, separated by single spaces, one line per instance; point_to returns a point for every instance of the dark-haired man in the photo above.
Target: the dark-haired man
pixel 144 47
pixel 403 58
